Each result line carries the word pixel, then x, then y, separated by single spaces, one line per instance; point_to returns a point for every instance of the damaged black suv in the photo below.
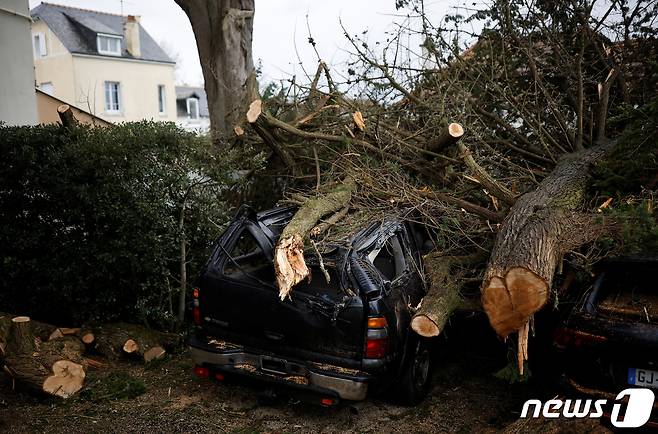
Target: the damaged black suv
pixel 336 338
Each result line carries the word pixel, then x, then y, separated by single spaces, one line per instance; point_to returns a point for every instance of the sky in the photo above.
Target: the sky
pixel 280 42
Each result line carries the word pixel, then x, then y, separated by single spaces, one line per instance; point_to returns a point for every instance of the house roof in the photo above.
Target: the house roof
pixel 77 30
pixel 185 92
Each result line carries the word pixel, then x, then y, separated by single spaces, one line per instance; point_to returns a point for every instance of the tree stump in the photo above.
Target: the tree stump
pixel 21 339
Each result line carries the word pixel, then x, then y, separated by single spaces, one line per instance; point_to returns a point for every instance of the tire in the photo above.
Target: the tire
pixel 416 375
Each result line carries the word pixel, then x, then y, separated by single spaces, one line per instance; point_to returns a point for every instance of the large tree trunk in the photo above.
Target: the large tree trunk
pixel 540 228
pixel 289 264
pixel 54 367
pixel 223 31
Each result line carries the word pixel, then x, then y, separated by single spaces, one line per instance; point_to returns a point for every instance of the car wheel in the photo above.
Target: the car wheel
pixel 416 374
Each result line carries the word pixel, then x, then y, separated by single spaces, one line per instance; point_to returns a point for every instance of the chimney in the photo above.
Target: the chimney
pixel 131 36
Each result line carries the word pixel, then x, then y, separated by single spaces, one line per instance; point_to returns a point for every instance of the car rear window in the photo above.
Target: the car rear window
pixel 630 292
pixel 247 259
pixel 318 285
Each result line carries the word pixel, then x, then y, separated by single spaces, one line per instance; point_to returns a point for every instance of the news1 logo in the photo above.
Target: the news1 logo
pixel 638 408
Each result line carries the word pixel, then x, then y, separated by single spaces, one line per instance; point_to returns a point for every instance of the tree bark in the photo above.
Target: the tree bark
pixel 115 340
pixel 183 262
pixel 487 181
pixel 5 325
pixel 448 136
pixel 268 134
pixel 50 367
pixel 21 338
pixel 66 116
pixel 442 297
pixel 223 32
pixel 62 378
pixel 289 265
pixel 540 228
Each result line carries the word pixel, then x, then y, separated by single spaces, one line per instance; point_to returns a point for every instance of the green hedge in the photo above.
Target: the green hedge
pixel 89 218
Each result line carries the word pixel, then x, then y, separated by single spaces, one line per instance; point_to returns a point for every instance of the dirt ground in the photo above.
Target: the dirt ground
pixel 465 398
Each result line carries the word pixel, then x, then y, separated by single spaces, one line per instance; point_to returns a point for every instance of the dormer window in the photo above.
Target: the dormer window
pixel 193 108
pixel 109 44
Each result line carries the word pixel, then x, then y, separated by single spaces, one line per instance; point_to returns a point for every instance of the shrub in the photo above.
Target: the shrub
pixel 90 218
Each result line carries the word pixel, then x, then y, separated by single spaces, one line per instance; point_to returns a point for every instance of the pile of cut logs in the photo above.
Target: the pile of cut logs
pixel 51 360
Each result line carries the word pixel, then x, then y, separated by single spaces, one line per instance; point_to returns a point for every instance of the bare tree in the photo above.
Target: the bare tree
pixel 223 32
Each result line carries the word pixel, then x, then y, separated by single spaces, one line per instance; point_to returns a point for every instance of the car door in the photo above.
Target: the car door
pixel 238 294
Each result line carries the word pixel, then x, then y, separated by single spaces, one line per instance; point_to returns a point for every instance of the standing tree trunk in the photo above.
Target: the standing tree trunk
pixel 223 31
pixel 183 262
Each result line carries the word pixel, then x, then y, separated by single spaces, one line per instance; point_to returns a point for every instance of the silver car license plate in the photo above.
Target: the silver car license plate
pixel 643 377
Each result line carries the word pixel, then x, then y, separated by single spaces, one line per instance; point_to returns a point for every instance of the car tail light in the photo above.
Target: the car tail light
pixel 327 402
pixel 376 348
pixel 219 376
pixel 196 311
pixel 565 337
pixel 377 322
pixel 201 372
pixel 376 338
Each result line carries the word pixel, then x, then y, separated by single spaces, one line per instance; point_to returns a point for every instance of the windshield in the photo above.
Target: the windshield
pixel 630 292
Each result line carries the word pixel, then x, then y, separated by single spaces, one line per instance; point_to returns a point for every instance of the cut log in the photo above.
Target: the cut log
pixel 448 136
pixel 50 367
pixel 130 347
pixel 67 379
pixel 289 264
pixel 443 296
pixel 63 331
pixel 66 115
pixel 63 378
pixel 21 340
pixel 67 347
pixel 87 337
pixel 154 353
pixel 540 228
pixel 257 120
pixel 116 340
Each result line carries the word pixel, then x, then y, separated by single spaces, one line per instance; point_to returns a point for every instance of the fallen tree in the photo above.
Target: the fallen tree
pixel 541 227
pixel 289 264
pixel 491 148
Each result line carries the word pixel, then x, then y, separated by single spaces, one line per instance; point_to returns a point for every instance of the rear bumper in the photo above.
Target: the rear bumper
pixel 344 383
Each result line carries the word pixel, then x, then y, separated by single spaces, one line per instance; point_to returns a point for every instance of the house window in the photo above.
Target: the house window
pixel 47 87
pixel 161 99
pixel 108 44
pixel 39 44
pixel 112 97
pixel 193 108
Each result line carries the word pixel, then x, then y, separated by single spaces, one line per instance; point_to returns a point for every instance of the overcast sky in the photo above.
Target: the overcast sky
pixel 280 30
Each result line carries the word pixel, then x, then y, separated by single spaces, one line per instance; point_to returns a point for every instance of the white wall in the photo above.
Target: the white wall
pixel 17 94
pixel 139 87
